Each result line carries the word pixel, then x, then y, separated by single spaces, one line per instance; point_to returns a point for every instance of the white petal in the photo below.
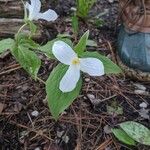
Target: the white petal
pixel 70 79
pixel 92 66
pixel 27 5
pixel 34 9
pixel 63 52
pixel 49 15
pixel 36 4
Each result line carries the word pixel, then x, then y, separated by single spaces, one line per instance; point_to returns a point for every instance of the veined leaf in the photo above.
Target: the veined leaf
pixel 6 44
pixel 123 136
pixel 137 131
pixel 24 41
pixel 27 59
pixel 57 100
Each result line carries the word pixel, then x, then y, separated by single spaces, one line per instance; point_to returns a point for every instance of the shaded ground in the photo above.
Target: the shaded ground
pixel 82 125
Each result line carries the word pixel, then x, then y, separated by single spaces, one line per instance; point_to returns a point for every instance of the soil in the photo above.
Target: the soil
pixel 82 125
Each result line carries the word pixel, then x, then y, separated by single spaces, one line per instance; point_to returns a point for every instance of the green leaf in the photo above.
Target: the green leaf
pixel 109 66
pixel 32 26
pixel 91 43
pixel 27 42
pixel 81 46
pixel 98 22
pixel 65 35
pixel 6 44
pixel 47 48
pixel 75 24
pixel 137 131
pixel 114 110
pixel 27 59
pixel 57 100
pixel 83 7
pixel 123 136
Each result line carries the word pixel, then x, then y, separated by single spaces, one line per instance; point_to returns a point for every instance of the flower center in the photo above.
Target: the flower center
pixel 75 61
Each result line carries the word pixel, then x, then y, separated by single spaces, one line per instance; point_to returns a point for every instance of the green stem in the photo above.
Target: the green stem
pixel 25 10
pixel 21 28
pixel 22 2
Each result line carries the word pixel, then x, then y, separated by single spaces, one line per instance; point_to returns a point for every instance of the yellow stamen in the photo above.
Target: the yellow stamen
pixel 75 61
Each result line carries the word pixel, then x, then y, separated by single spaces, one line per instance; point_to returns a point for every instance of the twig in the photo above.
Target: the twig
pixel 40 80
pixel 19 67
pixel 105 144
pixel 31 130
pixel 10 70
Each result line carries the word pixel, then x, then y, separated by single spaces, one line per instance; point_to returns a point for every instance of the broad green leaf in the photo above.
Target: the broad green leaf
pixel 27 42
pixel 109 66
pixel 81 46
pixel 57 100
pixel 137 131
pixel 47 48
pixel 123 136
pixel 20 36
pixel 75 24
pixel 27 59
pixel 6 44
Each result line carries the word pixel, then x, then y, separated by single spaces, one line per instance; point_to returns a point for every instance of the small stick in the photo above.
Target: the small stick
pixel 10 70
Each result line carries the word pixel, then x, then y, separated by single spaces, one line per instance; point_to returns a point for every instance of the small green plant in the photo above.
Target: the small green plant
pixel 75 26
pixel 64 83
pixel 22 45
pixel 83 7
pixel 131 132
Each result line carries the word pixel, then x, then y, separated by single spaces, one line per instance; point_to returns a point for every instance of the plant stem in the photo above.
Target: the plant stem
pixel 22 2
pixel 21 28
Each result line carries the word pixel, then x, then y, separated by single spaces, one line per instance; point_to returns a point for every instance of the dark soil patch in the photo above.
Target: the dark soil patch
pixel 82 125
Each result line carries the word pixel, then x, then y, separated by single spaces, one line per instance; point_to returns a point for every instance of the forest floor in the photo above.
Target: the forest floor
pixel 25 119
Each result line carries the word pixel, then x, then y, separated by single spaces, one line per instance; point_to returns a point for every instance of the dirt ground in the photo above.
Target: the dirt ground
pixel 25 120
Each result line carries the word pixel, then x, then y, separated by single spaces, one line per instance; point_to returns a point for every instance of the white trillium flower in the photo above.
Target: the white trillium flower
pixel 66 55
pixel 35 14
